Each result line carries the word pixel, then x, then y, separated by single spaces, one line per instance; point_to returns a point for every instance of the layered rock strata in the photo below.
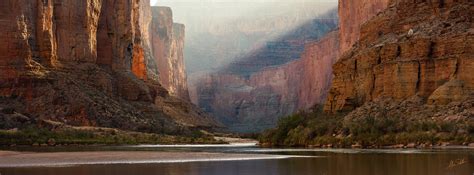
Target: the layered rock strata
pixel 419 49
pixel 86 63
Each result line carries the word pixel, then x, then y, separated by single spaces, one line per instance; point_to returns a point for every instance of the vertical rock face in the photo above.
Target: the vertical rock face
pixel 47 47
pixel 162 34
pixel 412 49
pixel 179 82
pixel 124 34
pixel 352 14
pixel 45 31
pixel 27 34
pixel 88 63
pixel 168 45
pixel 317 61
pixel 76 43
pixel 141 43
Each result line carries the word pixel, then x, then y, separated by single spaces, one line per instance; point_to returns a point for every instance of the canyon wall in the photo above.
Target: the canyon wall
pixel 249 105
pixel 179 83
pixel 352 14
pixel 76 43
pixel 383 49
pixel 422 49
pixel 256 103
pixel 168 46
pixel 123 38
pixel 317 61
pixel 87 63
pixel 286 75
pixel 46 31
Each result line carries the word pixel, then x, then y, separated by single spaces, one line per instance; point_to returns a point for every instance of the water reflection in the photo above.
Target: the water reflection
pixel 357 162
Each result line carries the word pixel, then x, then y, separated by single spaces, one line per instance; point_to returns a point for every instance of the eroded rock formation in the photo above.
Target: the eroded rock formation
pixel 86 63
pixel 420 49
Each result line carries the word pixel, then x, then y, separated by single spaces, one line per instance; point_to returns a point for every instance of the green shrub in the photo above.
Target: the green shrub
pixel 315 128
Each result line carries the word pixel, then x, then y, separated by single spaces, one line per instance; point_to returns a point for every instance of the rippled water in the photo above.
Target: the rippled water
pixel 288 162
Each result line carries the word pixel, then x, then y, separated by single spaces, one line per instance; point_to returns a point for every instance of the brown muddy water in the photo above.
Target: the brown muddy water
pixel 237 159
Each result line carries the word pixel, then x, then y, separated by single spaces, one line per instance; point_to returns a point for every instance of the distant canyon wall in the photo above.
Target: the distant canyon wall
pixel 168 46
pixel 254 93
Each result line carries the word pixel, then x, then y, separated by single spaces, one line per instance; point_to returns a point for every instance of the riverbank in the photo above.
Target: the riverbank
pixel 389 129
pixel 96 136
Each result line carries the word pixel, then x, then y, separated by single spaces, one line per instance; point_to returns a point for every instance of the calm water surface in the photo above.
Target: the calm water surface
pixel 325 162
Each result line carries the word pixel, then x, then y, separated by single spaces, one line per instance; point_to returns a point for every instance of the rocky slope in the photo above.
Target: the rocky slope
pixel 168 45
pixel 85 63
pixel 287 75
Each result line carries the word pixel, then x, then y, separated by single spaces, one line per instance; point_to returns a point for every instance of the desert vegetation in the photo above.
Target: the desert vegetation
pixel 319 129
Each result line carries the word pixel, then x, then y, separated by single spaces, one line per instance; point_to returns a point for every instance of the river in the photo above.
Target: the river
pixel 238 159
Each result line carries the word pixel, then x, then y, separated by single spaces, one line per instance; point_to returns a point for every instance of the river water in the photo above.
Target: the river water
pixel 241 159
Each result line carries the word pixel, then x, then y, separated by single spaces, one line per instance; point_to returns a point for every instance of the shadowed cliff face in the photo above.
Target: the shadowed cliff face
pixel 87 63
pixel 419 49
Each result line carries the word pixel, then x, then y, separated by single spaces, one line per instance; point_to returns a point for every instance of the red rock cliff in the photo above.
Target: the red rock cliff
pixel 352 14
pixel 422 49
pixel 124 39
pixel 179 83
pixel 168 45
pixel 86 63
pixel 76 43
pixel 317 61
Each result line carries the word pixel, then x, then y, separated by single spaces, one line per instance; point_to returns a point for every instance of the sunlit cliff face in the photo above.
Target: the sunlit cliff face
pixel 219 31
